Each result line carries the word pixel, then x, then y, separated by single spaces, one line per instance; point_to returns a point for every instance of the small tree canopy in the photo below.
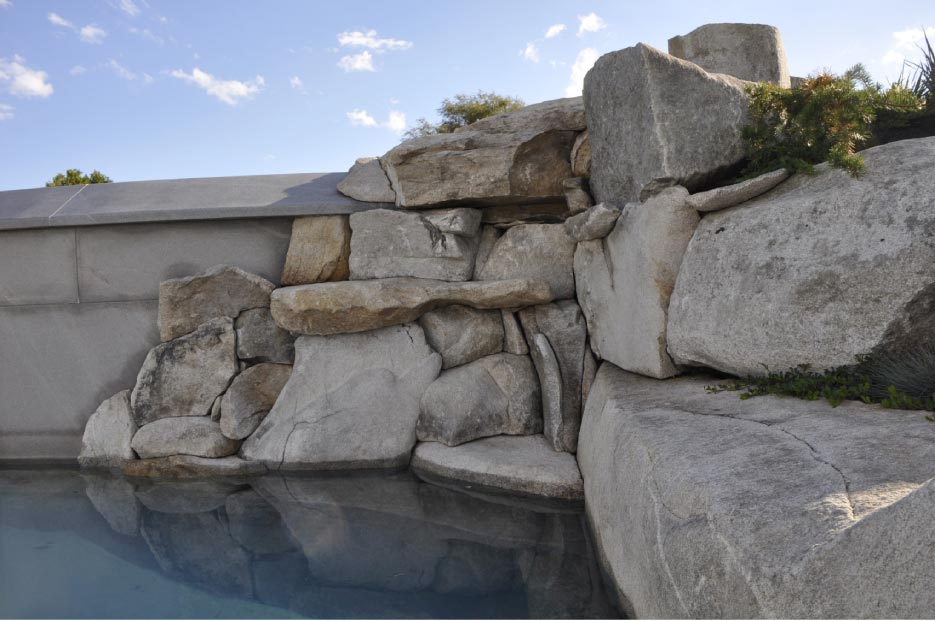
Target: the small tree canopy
pixel 463 110
pixel 73 176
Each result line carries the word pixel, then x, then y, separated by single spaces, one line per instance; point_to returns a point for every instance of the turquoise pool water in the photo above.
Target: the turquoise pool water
pixel 375 545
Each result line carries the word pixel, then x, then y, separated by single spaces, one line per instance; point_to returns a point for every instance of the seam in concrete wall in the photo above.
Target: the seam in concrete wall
pixel 77 279
pixel 66 202
pixel 93 303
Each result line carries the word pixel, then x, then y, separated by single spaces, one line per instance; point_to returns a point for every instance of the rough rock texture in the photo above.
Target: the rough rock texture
pixel 438 244
pixel 107 435
pixel 191 467
pixel 577 194
pixel 507 216
pixel 563 326
pixel 535 251
pixel 731 195
pixel 222 291
pixel 183 435
pixel 652 115
pixel 182 377
pixel 751 52
pixel 513 340
pixel 259 339
pixel 581 155
pixel 785 508
pixel 495 395
pixel 367 182
pixel 524 465
pixel 357 306
pixel 625 282
pixel 318 250
pixel 821 269
pixel 462 334
pixel 352 401
pixel 518 157
pixel 595 223
pixel 250 397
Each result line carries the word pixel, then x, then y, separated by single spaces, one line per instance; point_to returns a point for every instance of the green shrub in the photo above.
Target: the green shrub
pixel 73 176
pixel 463 110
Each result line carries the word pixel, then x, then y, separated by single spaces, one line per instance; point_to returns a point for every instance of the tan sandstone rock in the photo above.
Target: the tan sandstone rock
pixel 318 250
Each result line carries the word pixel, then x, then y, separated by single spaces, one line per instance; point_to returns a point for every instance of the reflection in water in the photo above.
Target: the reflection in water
pixel 374 545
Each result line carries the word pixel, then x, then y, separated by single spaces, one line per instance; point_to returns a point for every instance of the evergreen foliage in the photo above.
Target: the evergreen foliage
pixel 73 176
pixel 463 110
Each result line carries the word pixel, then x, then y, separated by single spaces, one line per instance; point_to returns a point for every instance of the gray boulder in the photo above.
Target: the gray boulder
pixel 388 243
pixel 352 401
pixel 250 397
pixel 577 195
pixel 182 377
pixel 625 281
pixel 523 465
pixel 595 223
pixel 751 52
pixel 560 364
pixel 821 269
pixel 361 305
pixel 731 195
pixel 183 435
pixel 536 251
pixel 494 395
pixel 222 291
pixel 180 467
pixel 652 115
pixel 778 503
pixel 259 339
pixel 318 250
pixel 107 434
pixel 462 334
pixel 513 340
pixel 581 155
pixel 518 157
pixel 367 182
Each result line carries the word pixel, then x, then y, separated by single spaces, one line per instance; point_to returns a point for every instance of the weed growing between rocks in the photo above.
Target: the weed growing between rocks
pixel 904 381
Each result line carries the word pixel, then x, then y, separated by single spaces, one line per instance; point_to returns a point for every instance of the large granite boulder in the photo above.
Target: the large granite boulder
pixel 558 337
pixel 222 291
pixel 751 52
pixel 259 339
pixel 183 435
pixel 361 305
pixel 250 397
pixel 535 251
pixel 518 158
pixel 819 270
pixel 651 115
pixel 352 401
pixel 107 434
pixel 523 465
pixel 183 377
pixel 439 244
pixel 625 281
pixel 785 508
pixel 462 334
pixel 494 395
pixel 318 250
pixel 367 182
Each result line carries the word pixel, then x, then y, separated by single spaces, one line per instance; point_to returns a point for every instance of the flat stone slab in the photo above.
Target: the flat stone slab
pixel 730 195
pixel 520 464
pixel 191 467
pixel 784 507
pixel 208 198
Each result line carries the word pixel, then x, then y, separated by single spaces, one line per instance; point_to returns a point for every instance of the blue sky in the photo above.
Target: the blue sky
pixel 156 89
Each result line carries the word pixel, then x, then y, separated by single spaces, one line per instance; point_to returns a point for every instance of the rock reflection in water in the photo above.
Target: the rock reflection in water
pixel 359 545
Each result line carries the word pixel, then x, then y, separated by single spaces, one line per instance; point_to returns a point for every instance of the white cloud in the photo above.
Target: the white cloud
pixel 530 52
pixel 128 6
pixel 397 122
pixel 92 34
pixel 6 110
pixel 583 62
pixel 591 22
pixel 120 70
pixel 22 81
pixel 911 37
pixel 555 30
pixel 361 118
pixel 892 57
pixel 58 20
pixel 357 62
pixel 295 81
pixel 228 91
pixel 77 70
pixel 369 39
pixel 5 4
